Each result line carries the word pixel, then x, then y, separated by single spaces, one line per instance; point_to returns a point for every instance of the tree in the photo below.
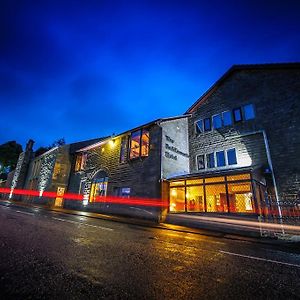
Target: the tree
pixel 9 154
pixel 57 143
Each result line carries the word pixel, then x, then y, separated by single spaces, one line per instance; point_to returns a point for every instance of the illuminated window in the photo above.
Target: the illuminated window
pixel 241 198
pixel 123 149
pixel 216 200
pixel 237 114
pixel 56 171
pixel 231 157
pixel 80 161
pixel 199 126
pixel 195 199
pixel 177 199
pixel 200 162
pixel 207 124
pixel 220 158
pixel 227 118
pixel 249 112
pixel 145 143
pixel 217 121
pixel 210 159
pixel 139 144
pixel 98 188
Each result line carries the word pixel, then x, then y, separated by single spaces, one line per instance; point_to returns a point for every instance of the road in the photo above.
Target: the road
pixel 51 255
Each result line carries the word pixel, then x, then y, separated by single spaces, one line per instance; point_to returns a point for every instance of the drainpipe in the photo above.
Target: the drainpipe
pixel 272 171
pixel 270 165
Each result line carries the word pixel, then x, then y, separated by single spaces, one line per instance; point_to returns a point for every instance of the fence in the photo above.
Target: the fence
pixel 285 212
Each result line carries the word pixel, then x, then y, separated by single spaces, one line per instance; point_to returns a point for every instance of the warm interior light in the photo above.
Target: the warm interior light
pixel 174 192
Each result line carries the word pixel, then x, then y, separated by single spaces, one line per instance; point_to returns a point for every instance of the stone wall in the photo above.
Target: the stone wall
pixel 275 94
pixel 141 175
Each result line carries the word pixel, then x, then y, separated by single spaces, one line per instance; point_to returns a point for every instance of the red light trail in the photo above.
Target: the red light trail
pixel 98 199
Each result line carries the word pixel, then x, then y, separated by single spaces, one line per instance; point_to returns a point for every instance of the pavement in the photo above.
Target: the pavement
pixel 232 227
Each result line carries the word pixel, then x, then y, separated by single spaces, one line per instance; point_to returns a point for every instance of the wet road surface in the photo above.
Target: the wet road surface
pixel 50 255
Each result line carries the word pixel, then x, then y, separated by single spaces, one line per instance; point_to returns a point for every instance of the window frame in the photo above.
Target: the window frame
pixel 217 161
pixel 196 127
pixel 207 160
pixel 221 121
pixel 197 162
pixel 253 111
pixel 236 160
pixel 241 114
pixel 210 124
pixel 141 131
pixel 231 118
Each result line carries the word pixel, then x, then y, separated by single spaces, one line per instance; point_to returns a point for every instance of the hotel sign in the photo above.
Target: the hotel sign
pixel 172 151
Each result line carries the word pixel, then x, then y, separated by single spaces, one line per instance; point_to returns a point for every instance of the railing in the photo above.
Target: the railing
pixel 285 212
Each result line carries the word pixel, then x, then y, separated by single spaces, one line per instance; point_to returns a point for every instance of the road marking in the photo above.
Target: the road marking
pixel 261 259
pixel 80 223
pixel 24 212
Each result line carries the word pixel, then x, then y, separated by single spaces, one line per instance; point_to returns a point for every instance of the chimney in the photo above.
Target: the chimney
pixel 29 145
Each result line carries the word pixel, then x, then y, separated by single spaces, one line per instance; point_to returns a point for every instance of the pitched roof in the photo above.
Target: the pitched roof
pixel 234 68
pixel 106 139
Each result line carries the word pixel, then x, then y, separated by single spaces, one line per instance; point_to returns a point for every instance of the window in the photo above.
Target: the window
pixel 210 159
pixel 80 161
pixel 207 124
pixel 231 157
pixel 237 114
pixel 217 121
pixel 123 149
pixel 199 126
pixel 56 171
pixel 139 144
pixel 227 118
pixel 249 112
pixel 122 192
pixel 200 162
pixel 145 143
pixel 220 159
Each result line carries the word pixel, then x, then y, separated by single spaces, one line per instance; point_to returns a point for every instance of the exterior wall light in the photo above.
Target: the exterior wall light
pixel 112 143
pixel 85 200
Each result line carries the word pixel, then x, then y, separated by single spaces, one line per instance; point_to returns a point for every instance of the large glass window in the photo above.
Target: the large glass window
pixel 145 143
pixel 200 162
pixel 139 143
pixel 195 198
pixel 98 188
pixel 199 126
pixel 210 159
pixel 207 124
pixel 217 121
pixel 240 197
pixel 216 200
pixel 220 158
pixel 237 114
pixel 177 199
pixel 231 157
pixel 227 118
pixel 249 112
pixel 135 143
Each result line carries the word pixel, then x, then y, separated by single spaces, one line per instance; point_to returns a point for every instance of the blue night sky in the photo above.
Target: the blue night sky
pixel 86 69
